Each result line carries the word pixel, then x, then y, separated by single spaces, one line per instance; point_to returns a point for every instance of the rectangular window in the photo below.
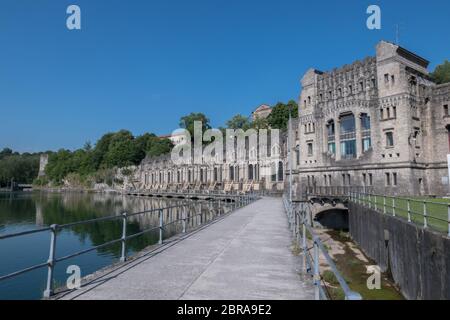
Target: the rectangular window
pixel 381 113
pixel 393 79
pixel 388 179
pixel 343 179
pixel 389 139
pixel 370 179
pixel 386 78
pixel 388 111
pixel 361 86
pixel 394 112
pixel 394 178
pixel 364 179
pixel 310 149
pixel 446 110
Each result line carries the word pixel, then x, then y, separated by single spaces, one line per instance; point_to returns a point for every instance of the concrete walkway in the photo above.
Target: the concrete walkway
pixel 245 255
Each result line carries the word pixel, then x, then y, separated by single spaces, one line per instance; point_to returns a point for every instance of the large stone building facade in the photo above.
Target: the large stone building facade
pixel 380 122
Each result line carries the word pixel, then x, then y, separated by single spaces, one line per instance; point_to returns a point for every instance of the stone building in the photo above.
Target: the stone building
pixel 262 112
pixel 248 174
pixel 380 122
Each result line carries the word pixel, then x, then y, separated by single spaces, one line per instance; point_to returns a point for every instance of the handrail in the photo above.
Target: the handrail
pixel 300 219
pixel 240 201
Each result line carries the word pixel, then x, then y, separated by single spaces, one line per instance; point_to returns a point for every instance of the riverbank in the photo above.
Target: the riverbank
pixel 355 267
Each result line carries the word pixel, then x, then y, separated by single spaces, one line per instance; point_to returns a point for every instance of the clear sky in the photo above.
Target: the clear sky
pixel 142 64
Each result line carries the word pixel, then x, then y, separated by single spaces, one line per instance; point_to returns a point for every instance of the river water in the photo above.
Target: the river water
pixel 27 211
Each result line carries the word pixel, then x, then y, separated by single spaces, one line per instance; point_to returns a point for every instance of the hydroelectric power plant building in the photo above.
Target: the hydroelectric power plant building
pixel 381 122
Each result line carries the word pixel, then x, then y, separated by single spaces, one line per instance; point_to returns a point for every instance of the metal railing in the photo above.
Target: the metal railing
pixel 300 223
pixel 429 214
pixel 239 201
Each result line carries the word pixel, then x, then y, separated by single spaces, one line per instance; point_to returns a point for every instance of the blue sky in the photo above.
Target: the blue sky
pixel 141 65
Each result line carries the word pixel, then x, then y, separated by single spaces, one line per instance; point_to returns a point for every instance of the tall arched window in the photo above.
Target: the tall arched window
pixel 348 136
pixel 280 171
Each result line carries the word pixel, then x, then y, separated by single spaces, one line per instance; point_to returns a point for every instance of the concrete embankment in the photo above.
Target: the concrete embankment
pixel 417 258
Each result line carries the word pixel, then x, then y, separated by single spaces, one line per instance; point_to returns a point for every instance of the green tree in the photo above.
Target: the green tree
pixel 279 116
pixel 260 123
pixel 187 122
pixel 122 150
pixel 160 147
pixel 442 73
pixel 239 122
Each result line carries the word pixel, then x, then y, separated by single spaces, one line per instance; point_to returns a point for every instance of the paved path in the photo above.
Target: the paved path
pixel 245 255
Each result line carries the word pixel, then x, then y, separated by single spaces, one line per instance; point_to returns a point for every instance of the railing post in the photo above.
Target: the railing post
pixel 409 209
pixel 160 226
pixel 316 271
pixel 184 219
pixel 425 220
pixel 305 249
pixel 123 256
pixel 51 261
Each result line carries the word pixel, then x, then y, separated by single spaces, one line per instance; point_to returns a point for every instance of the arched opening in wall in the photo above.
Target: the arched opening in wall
pixel 215 175
pixel 168 177
pixel 280 171
pixel 348 136
pixel 189 176
pixel 250 172
pixel 178 177
pixel 333 218
pixel 201 175
pixel 160 177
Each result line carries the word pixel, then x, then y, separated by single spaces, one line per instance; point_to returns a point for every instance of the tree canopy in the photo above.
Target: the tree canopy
pixel 239 122
pixel 187 122
pixel 21 168
pixel 279 116
pixel 114 149
pixel 442 73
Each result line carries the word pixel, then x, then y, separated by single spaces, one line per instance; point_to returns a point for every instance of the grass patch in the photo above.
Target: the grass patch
pixel 436 208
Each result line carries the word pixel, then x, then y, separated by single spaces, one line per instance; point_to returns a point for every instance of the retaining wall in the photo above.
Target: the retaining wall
pixel 417 258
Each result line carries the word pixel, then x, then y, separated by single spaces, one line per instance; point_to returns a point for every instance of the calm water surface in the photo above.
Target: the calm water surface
pixel 26 211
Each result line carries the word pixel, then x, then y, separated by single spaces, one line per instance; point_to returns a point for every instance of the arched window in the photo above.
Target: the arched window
pixel 348 136
pixel 231 173
pixel 280 171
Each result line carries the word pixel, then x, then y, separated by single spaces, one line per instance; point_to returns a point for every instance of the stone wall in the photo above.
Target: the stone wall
pixel 417 258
